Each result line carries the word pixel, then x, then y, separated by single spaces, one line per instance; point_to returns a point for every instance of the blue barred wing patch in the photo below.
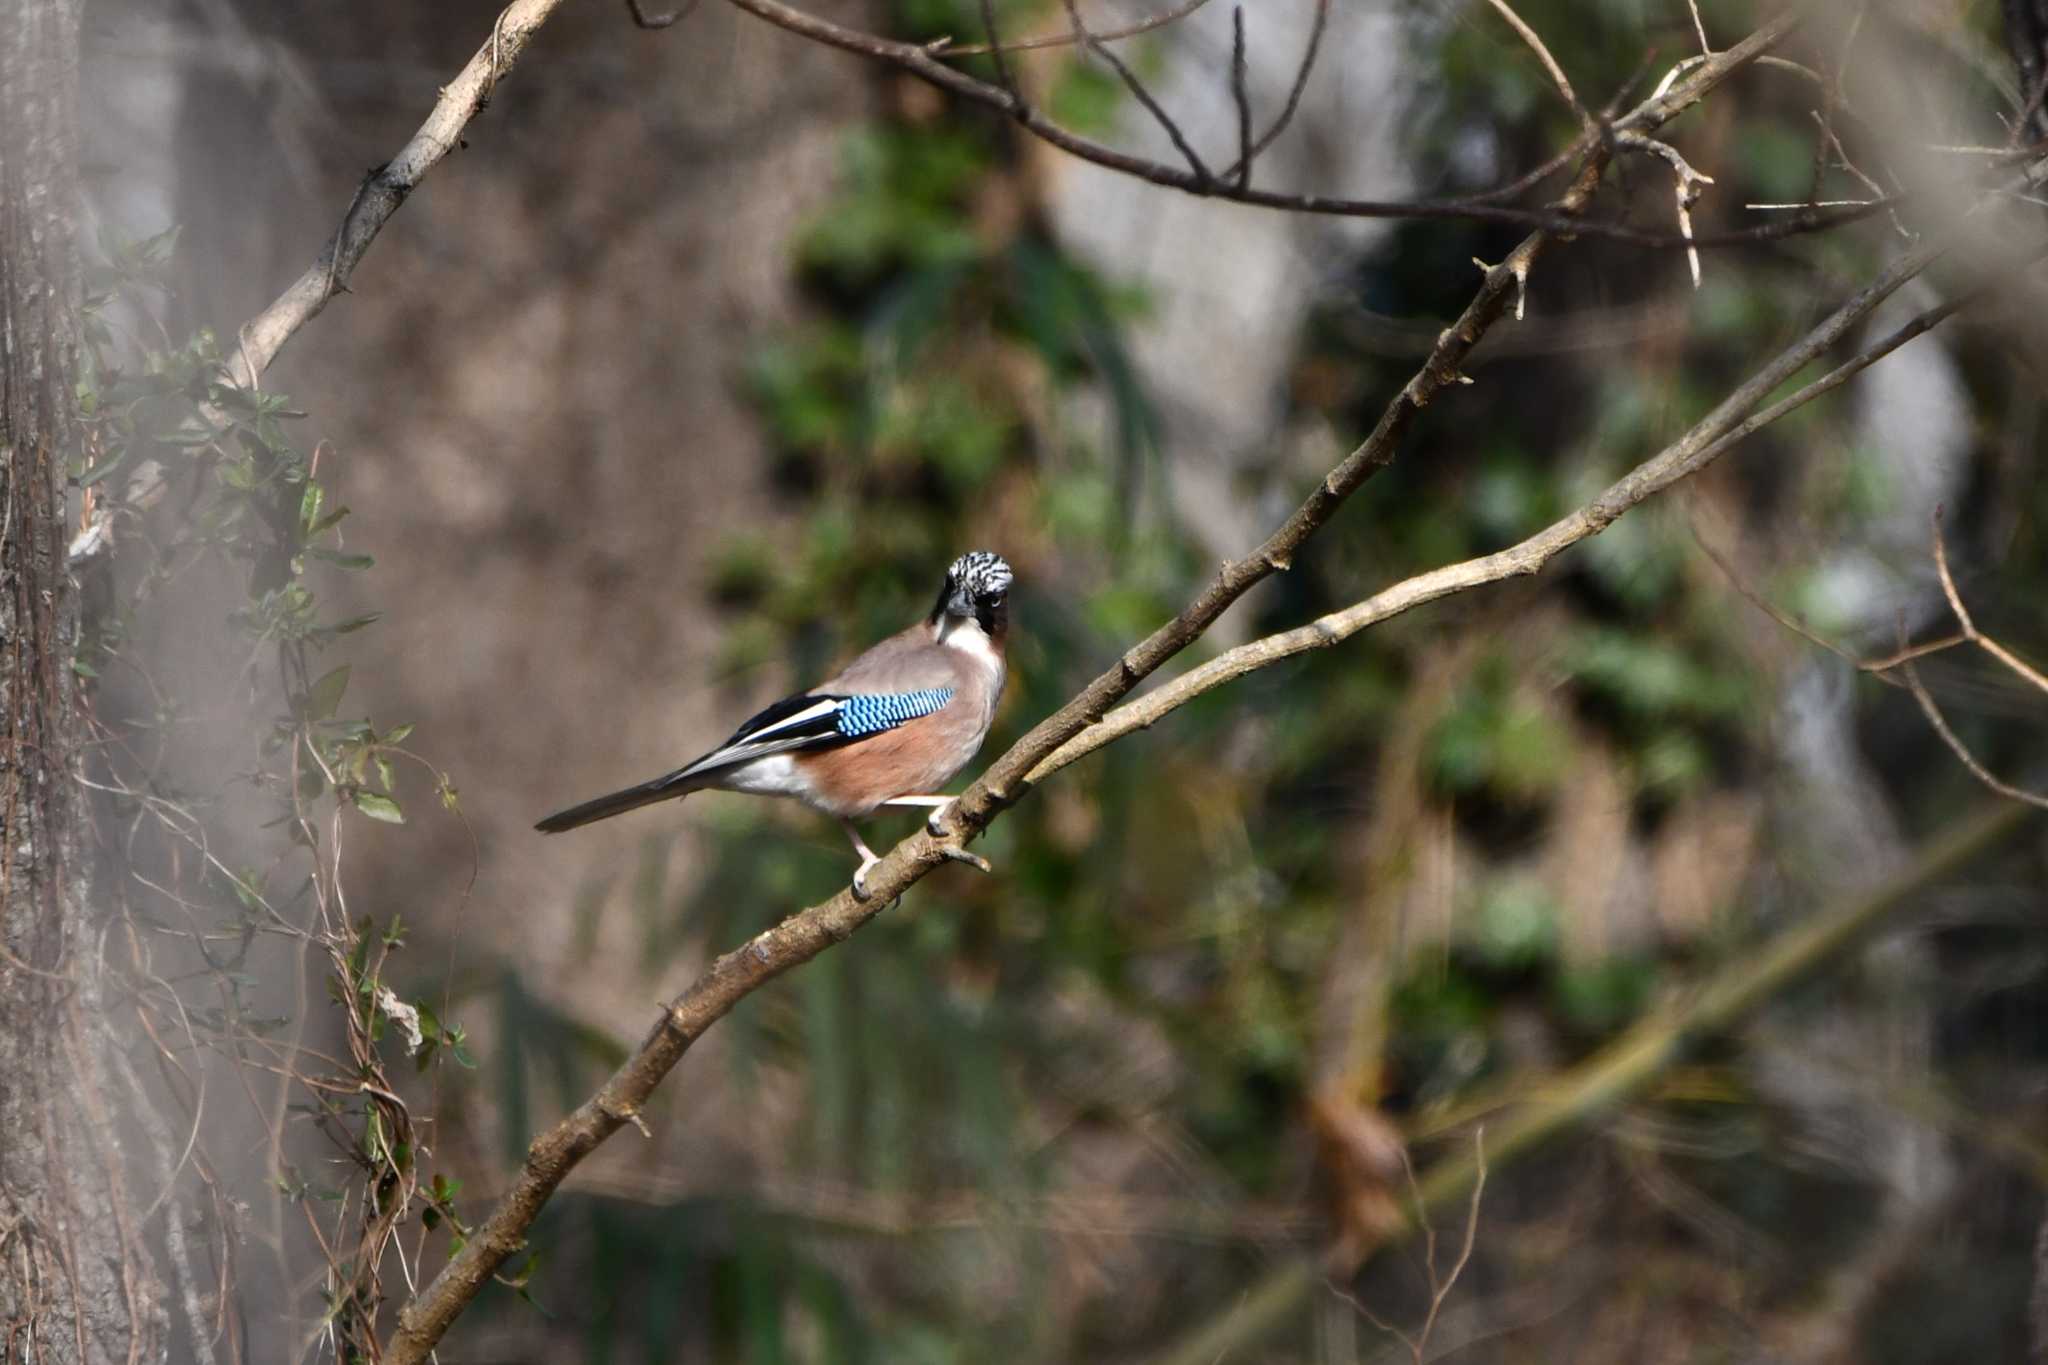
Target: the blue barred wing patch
pixel 862 716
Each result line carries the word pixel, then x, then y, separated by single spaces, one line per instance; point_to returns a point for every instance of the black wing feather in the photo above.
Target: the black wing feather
pixel 823 728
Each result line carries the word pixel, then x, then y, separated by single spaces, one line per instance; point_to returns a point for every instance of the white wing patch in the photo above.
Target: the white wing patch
pixel 810 713
pixel 776 737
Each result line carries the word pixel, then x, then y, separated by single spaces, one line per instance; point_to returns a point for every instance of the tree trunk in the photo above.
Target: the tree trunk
pixel 75 1283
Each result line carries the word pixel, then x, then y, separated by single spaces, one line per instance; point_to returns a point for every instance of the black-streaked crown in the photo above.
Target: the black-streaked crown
pixel 979 575
pixel 976 588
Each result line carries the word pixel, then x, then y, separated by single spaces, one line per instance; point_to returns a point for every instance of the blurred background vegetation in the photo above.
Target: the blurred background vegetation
pixel 688 379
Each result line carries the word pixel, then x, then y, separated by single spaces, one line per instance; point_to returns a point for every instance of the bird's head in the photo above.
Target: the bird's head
pixel 977 589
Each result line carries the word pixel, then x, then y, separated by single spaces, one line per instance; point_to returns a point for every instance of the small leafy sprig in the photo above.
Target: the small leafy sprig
pixel 180 466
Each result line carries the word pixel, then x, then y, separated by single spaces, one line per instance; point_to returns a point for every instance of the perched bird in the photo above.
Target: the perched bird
pixel 886 730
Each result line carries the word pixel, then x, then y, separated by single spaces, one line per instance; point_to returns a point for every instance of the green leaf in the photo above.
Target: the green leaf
pixel 324 696
pixel 379 807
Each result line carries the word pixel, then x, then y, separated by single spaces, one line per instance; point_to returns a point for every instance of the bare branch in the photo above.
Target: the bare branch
pixel 1789 622
pixel 1831 96
pixel 1706 442
pixel 1202 178
pixel 1674 94
pixel 1970 635
pixel 1557 76
pixel 1961 750
pixel 386 187
pixel 2027 671
pixel 995 48
pixel 1441 1292
pixel 1241 171
pixel 1690 185
pixel 1901 660
pixel 1882 667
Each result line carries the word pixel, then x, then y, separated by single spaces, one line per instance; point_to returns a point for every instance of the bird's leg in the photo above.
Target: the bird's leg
pixel 867 859
pixel 961 855
pixel 935 823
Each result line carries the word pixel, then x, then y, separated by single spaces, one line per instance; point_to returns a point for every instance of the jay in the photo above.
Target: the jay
pixel 885 730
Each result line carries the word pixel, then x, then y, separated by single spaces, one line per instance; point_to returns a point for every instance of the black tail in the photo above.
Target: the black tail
pixel 617 803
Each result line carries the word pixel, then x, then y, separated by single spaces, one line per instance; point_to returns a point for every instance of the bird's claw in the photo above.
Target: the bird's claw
pixel 860 881
pixel 935 823
pixel 961 855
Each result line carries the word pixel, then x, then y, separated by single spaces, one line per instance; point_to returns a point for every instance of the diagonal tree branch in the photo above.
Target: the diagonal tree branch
pixel 386 187
pixel 736 974
pixel 1710 438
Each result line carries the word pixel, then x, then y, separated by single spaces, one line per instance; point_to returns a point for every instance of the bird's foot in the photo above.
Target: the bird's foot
pixel 935 823
pixel 961 855
pixel 860 878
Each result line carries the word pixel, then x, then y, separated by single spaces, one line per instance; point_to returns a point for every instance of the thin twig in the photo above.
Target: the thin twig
pixel 1294 94
pixel 1764 604
pixel 1699 26
pixel 1557 76
pixel 1672 95
pixel 1137 88
pixel 1831 96
pixel 1885 665
pixel 1242 171
pixel 1971 635
pixel 1961 750
pixel 1004 76
pixel 1439 1293
pixel 1831 139
pixel 2027 671
pixel 1690 185
pixel 263 336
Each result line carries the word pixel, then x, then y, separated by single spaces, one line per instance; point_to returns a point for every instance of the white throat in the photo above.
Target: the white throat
pixel 966 635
